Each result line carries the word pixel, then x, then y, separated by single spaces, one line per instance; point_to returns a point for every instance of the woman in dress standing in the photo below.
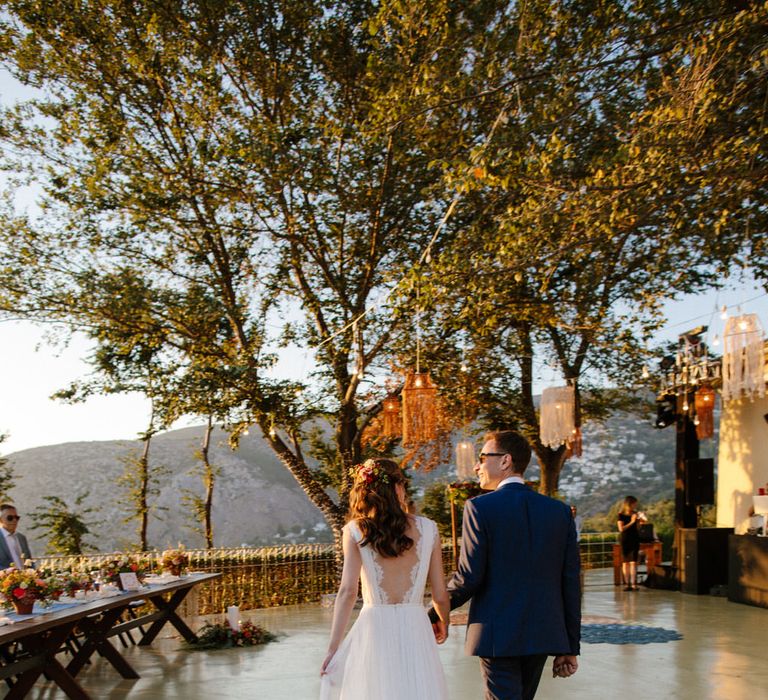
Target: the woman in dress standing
pixel 629 539
pixel 391 651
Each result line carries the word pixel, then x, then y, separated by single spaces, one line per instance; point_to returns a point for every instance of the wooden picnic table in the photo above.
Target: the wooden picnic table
pixel 91 624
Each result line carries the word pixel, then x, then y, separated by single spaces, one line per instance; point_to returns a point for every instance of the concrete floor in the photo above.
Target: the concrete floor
pixel 723 656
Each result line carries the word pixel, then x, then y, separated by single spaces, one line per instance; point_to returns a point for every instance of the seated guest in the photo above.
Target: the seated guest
pixel 14 548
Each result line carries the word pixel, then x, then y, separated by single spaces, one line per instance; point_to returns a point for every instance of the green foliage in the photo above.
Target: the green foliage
pixel 65 527
pixel 436 506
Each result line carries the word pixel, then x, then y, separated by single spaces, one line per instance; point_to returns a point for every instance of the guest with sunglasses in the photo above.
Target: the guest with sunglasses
pixel 14 548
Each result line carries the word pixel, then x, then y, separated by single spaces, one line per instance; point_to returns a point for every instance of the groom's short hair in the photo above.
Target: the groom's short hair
pixel 512 443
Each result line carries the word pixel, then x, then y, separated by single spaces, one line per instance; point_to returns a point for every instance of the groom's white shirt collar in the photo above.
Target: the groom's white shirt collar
pixel 512 480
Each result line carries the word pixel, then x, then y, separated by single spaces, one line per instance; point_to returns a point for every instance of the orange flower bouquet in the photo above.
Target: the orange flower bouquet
pixel 20 588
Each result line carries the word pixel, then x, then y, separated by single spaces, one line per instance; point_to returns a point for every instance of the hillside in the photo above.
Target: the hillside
pixel 257 500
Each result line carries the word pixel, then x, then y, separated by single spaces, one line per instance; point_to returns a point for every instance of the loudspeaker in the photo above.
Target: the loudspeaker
pixel 699 482
pixel 704 558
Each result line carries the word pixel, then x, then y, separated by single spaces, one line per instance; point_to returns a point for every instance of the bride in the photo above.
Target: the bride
pixel 391 652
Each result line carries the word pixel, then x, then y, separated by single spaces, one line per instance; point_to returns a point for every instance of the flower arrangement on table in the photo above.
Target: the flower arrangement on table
pixel 73 581
pixel 22 587
pixel 222 636
pixel 174 561
pixel 124 564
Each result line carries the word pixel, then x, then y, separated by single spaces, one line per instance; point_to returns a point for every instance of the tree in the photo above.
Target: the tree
pixel 65 526
pixel 121 363
pixel 202 507
pixel 602 193
pixel 241 164
pixel 7 475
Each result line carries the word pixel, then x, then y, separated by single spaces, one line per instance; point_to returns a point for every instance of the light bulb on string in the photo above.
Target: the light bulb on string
pixel 646 373
pixel 716 340
pixel 724 312
pixel 464 367
pixel 742 325
pixel 696 420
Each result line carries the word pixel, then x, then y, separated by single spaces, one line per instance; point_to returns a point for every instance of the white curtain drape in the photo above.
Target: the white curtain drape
pixel 743 358
pixel 558 424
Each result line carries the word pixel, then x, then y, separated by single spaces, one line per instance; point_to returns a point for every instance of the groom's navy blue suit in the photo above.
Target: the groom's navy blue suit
pixel 519 565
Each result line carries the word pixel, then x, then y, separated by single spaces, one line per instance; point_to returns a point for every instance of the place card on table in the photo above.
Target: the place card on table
pixel 130 582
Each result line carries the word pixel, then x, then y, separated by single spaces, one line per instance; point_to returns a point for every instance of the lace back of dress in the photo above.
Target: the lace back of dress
pixel 393 580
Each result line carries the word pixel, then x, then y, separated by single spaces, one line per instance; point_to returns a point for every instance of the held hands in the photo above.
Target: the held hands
pixel 440 630
pixel 564 666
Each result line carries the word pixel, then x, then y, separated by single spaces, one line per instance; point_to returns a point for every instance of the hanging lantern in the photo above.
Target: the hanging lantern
pixel 705 412
pixel 743 358
pixel 391 416
pixel 465 459
pixel 419 409
pixel 557 415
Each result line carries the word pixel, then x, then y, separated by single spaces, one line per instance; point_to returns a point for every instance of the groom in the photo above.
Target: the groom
pixel 519 565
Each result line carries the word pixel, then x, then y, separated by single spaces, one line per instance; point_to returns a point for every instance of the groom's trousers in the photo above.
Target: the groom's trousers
pixel 512 677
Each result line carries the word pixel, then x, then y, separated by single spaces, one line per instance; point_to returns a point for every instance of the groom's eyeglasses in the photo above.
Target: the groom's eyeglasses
pixel 484 455
pixel 12 518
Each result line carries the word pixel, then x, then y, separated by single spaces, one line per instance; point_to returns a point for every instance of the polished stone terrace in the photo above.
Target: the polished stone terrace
pixel 723 655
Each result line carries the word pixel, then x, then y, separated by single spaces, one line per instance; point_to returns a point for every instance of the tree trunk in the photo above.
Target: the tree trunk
pixel 334 514
pixel 143 489
pixel 551 462
pixel 209 478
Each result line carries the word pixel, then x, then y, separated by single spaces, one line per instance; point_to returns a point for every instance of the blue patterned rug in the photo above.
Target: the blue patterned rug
pixel 627 634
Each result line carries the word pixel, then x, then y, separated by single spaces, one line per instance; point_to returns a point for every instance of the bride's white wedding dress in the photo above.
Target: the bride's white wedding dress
pixel 390 653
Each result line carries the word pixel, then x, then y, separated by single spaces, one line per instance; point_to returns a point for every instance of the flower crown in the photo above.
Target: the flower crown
pixel 369 472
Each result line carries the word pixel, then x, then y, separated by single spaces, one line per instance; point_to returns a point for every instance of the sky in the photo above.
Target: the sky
pixel 31 369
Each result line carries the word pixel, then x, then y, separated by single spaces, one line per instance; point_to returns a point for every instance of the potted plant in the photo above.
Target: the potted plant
pixel 22 587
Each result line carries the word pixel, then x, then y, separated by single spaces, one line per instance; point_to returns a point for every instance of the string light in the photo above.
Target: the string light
pixel 724 312
pixel 646 373
pixel 716 340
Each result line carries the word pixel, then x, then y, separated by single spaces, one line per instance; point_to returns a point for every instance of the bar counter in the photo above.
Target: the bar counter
pixel 748 570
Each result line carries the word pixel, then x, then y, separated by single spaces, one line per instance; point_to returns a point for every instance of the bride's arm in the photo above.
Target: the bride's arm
pixel 346 597
pixel 440 598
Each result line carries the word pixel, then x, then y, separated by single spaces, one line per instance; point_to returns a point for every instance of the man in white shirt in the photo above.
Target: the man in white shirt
pixel 14 548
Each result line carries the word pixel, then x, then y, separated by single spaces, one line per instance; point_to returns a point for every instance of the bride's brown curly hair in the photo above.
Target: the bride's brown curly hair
pixel 374 503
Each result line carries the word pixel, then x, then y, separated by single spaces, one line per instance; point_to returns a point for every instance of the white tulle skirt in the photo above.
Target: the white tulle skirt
pixel 389 654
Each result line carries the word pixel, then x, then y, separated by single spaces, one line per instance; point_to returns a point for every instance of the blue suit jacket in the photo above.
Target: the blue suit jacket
pixel 520 566
pixel 5 555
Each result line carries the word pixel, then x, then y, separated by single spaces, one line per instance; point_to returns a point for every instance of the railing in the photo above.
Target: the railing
pixel 596 549
pixel 252 577
pixel 263 577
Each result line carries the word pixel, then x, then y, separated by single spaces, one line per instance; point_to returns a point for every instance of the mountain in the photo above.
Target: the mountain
pixel 257 501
